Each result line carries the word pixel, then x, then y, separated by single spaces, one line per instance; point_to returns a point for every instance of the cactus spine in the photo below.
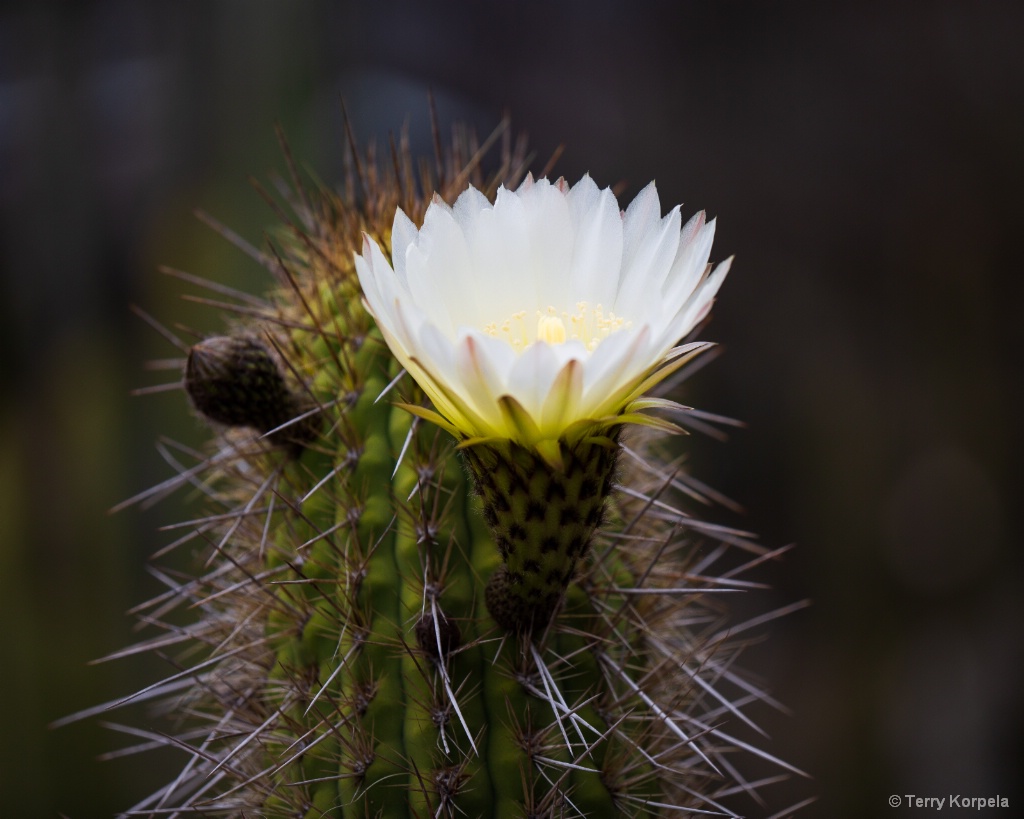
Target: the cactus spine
pixel 392 627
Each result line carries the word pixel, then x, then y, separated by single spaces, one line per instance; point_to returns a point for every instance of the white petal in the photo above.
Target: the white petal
pixel 447 268
pixel 469 205
pixel 609 355
pixel 689 265
pixel 499 355
pixel 403 235
pixel 405 321
pixel 480 384
pixel 532 374
pixel 424 292
pixel 487 360
pixel 497 241
pixel 561 407
pixel 550 247
pixel 368 279
pixel 627 356
pixel 571 348
pixel 642 217
pixel 438 357
pixel 380 285
pixel 697 306
pixel 597 253
pixel 649 267
pixel 582 198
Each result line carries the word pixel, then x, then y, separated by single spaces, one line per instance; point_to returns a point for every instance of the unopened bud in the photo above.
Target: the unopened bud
pixel 234 380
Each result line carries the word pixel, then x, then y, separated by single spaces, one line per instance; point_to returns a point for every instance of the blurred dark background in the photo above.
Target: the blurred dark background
pixel 867 163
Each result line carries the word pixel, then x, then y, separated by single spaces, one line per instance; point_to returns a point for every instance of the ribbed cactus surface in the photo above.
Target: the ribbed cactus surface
pixel 389 625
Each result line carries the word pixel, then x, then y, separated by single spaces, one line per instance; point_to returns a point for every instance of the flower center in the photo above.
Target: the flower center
pixel 588 323
pixel 550 329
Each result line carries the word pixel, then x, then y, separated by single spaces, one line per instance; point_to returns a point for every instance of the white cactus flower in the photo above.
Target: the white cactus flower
pixel 546 312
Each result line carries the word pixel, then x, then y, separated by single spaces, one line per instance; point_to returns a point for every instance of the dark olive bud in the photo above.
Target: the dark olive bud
pixel 510 610
pixel 427 634
pixel 234 380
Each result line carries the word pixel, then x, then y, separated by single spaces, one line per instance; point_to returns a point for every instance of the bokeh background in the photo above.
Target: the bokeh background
pixel 867 162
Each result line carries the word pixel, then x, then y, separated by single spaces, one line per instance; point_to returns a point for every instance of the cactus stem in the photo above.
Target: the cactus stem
pixel 382 632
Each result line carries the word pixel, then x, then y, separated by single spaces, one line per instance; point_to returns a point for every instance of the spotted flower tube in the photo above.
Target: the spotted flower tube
pixel 536 325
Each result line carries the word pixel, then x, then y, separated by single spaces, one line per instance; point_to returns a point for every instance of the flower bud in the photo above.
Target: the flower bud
pixel 235 381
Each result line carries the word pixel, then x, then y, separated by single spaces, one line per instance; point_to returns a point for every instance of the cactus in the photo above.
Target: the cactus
pixel 402 618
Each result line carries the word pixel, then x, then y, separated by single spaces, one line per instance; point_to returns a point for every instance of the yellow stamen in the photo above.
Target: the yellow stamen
pixel 589 324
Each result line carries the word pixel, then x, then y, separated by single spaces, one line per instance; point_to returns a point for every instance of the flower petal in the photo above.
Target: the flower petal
pixel 532 375
pixel 479 378
pixel 689 264
pixel 403 235
pixel 641 217
pixel 468 206
pixel 597 251
pixel 435 358
pixel 518 420
pixel 649 266
pixel 621 365
pixel 563 399
pixel 693 311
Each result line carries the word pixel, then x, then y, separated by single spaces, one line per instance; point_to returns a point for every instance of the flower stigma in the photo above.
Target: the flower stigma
pixel 551 330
